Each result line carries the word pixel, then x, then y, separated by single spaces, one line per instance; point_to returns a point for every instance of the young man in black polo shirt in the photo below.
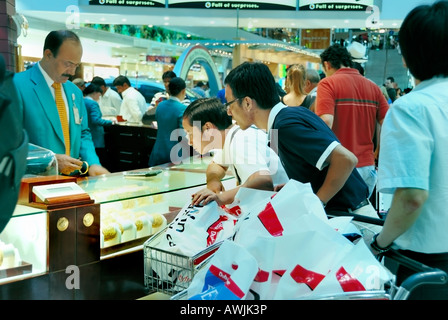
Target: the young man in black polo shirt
pixel 308 149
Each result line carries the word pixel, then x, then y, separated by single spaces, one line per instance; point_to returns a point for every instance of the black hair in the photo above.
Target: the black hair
pixel 54 40
pixel 176 86
pixel 392 79
pixel 120 80
pixel 91 88
pixel 254 80
pixel 98 81
pixel 312 75
pixel 338 56
pixel 424 40
pixel 208 110
pixel 359 67
pixel 168 74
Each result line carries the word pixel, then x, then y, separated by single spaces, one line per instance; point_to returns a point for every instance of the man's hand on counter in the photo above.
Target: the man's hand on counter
pixel 96 170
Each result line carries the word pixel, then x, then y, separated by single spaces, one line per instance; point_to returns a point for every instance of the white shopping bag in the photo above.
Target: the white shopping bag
pixel 192 231
pixel 277 228
pixel 317 250
pixel 357 270
pixel 196 228
pixel 263 250
pixel 227 276
pixel 351 268
pixel 247 198
pixel 278 212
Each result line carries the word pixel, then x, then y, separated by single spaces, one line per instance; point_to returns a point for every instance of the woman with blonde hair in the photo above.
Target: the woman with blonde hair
pixel 295 88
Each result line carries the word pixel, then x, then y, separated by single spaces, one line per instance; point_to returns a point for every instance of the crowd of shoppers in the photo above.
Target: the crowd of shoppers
pixel 323 131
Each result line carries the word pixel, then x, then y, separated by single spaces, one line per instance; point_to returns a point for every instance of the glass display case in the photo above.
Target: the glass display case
pixel 40 162
pixel 23 245
pixel 127 210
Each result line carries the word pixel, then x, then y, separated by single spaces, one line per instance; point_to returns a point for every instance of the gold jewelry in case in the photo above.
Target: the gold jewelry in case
pixel 109 233
pixel 139 224
pixel 158 220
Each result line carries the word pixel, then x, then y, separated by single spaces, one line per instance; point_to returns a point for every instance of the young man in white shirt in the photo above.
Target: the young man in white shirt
pixel 133 106
pixel 245 152
pixel 110 100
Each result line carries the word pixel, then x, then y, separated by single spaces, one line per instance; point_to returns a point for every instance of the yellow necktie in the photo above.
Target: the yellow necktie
pixel 62 115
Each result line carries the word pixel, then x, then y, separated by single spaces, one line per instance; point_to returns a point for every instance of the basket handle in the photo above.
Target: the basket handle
pixel 424 274
pixel 356 217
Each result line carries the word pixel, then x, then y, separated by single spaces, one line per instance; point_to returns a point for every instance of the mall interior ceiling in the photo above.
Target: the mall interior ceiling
pixel 216 29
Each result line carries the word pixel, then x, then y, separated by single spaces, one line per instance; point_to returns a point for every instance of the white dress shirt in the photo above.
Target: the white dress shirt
pixel 110 103
pixel 133 106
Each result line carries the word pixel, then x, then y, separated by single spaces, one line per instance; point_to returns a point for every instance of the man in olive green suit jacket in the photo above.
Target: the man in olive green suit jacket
pixel 62 54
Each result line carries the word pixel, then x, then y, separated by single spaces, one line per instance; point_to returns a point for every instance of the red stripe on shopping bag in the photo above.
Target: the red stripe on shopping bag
pixel 228 282
pixel 235 210
pixel 305 276
pixel 270 221
pixel 279 272
pixel 201 258
pixel 215 229
pixel 261 276
pixel 347 282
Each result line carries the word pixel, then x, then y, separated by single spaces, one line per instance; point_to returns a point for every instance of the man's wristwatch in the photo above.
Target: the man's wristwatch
pixel 377 248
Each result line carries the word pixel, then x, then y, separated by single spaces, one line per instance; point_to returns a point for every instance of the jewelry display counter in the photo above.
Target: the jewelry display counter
pixel 94 251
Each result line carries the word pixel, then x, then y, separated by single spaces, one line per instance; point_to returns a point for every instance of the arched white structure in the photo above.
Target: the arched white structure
pixel 199 54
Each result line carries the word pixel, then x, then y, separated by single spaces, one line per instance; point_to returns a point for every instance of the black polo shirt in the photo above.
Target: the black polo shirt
pixel 303 143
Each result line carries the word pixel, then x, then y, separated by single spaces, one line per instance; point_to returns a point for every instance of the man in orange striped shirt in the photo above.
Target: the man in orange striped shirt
pixel 353 107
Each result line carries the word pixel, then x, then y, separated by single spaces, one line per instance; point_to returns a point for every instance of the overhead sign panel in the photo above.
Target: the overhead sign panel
pixel 129 3
pixel 335 5
pixel 245 5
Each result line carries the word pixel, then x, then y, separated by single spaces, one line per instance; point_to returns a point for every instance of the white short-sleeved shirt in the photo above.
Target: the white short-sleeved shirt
pixel 246 152
pixel 414 154
pixel 133 106
pixel 110 103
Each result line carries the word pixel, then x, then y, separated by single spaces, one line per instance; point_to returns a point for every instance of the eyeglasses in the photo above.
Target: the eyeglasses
pixel 227 104
pixel 69 64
